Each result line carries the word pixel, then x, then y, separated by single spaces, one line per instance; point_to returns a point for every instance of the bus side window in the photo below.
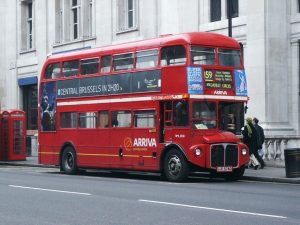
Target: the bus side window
pixel 146 59
pixel 174 55
pixel 52 71
pixel 123 62
pixel 89 66
pixel 103 119
pixel 121 119
pixel 145 118
pixel 68 120
pixel 105 64
pixel 70 68
pixel 87 120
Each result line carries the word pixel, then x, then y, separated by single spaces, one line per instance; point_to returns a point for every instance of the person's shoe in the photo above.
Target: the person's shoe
pixel 256 167
pixel 262 166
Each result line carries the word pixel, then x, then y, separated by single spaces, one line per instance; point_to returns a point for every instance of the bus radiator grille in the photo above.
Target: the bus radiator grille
pixel 224 155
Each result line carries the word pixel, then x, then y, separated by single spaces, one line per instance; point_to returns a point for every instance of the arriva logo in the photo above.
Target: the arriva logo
pixel 139 144
pixel 144 142
pixel 219 92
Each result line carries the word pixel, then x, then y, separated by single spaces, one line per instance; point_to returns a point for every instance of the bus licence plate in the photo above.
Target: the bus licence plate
pixel 224 169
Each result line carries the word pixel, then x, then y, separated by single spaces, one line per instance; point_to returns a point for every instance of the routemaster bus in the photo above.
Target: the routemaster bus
pixel 172 105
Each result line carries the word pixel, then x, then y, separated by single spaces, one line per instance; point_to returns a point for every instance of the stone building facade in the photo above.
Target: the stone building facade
pixel 269 31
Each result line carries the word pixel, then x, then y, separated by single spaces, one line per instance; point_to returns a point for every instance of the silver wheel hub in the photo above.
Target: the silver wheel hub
pixel 174 165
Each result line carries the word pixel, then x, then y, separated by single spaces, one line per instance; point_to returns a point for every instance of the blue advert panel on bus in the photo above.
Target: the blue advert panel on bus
pixel 146 81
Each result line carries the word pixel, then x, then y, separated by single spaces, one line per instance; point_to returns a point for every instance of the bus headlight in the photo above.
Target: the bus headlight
pixel 244 151
pixel 197 151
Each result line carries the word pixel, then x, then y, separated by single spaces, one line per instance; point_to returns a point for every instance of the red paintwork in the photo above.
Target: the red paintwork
pixel 99 148
pixel 10 152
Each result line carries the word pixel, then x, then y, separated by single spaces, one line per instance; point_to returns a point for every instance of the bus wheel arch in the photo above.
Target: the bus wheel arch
pixel 174 164
pixel 68 159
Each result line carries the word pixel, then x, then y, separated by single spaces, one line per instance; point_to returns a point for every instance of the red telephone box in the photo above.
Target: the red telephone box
pixel 13 137
pixel 1 139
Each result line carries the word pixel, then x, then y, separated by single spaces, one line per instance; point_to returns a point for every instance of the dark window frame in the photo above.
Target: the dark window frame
pixel 215 10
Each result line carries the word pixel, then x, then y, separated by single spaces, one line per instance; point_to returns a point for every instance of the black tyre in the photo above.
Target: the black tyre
pixel 176 167
pixel 235 175
pixel 69 161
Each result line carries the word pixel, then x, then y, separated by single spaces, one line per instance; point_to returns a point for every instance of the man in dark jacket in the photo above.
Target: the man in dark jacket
pixel 260 140
pixel 250 136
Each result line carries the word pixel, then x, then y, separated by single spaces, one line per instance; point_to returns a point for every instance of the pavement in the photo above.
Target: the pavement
pixel 268 174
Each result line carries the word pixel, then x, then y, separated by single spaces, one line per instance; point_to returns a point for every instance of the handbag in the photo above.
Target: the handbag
pixel 253 161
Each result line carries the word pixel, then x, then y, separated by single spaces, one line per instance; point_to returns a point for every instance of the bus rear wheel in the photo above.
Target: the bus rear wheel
pixel 176 167
pixel 69 161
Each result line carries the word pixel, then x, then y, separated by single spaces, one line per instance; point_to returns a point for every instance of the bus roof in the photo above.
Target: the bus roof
pixel 195 38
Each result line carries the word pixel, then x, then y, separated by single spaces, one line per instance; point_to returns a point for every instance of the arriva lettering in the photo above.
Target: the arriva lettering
pixel 144 142
pixel 218 92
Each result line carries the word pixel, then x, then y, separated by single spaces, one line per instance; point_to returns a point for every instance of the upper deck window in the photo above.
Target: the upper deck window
pixel 174 55
pixel 89 66
pixel 203 56
pixel 70 68
pixel 52 71
pixel 123 62
pixel 146 59
pixel 229 57
pixel 105 64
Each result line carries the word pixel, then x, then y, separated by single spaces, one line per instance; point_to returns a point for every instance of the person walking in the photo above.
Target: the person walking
pixel 250 138
pixel 260 141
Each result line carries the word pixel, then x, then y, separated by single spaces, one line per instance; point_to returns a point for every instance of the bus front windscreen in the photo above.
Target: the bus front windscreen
pixel 204 115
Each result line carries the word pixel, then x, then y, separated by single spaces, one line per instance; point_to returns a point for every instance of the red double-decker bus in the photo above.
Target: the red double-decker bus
pixel 173 105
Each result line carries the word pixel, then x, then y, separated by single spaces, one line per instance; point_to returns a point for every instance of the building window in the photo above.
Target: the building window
pixel 30 106
pixel 75 19
pixel 90 18
pixel 27 25
pixel 215 10
pixel 127 14
pixel 234 8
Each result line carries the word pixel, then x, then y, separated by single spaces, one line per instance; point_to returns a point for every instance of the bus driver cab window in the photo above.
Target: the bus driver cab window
pixel 181 113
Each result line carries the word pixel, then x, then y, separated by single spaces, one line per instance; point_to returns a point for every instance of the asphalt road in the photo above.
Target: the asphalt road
pixel 41 196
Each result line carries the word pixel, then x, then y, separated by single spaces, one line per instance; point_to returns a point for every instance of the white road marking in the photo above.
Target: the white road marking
pixel 51 190
pixel 215 209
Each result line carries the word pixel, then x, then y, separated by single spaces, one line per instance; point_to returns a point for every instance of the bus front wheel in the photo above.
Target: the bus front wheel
pixel 235 175
pixel 69 161
pixel 176 167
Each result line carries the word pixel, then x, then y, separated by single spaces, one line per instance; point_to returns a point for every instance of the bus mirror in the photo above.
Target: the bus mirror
pixel 246 108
